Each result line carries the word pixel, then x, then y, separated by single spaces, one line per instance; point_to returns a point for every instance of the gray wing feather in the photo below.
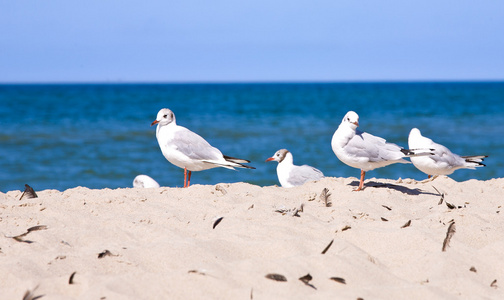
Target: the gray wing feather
pixel 304 173
pixel 444 155
pixel 195 147
pixel 372 147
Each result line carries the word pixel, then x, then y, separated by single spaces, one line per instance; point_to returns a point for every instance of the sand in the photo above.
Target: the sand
pixel 164 243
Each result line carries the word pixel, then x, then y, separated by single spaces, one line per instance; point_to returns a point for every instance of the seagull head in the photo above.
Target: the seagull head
pixel 279 155
pixel 164 117
pixel 414 136
pixel 351 119
pixel 415 132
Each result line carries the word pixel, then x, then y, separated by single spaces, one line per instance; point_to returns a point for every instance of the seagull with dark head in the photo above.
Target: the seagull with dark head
pixel 291 175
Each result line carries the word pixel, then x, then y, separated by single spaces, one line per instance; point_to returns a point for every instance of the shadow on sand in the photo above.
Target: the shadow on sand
pixel 400 188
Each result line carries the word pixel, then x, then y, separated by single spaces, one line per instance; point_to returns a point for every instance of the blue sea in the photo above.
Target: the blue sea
pixel 99 135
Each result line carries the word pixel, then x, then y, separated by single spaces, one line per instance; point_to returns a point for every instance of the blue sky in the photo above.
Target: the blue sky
pixel 230 40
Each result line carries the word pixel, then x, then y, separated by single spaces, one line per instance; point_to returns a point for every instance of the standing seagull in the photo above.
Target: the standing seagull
pixel 187 150
pixel 290 175
pixel 365 151
pixel 442 161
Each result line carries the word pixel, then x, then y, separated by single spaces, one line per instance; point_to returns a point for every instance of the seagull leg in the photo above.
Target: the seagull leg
pixel 361 183
pixel 185 177
pixel 429 178
pixel 189 179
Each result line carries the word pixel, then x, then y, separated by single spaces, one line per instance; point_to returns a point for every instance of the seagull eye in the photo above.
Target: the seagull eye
pixel 165 116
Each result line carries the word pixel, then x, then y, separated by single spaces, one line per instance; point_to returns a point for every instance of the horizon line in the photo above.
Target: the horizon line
pixel 216 82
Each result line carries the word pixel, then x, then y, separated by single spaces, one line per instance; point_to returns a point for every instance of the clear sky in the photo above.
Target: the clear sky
pixel 242 40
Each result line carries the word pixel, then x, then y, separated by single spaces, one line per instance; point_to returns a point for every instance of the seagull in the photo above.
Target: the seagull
pixel 144 181
pixel 291 175
pixel 186 149
pixel 365 151
pixel 442 161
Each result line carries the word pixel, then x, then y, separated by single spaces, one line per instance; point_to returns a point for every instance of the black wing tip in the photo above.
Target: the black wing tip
pixel 413 152
pixel 476 159
pixel 230 158
pixel 408 152
pixel 238 161
pixel 246 167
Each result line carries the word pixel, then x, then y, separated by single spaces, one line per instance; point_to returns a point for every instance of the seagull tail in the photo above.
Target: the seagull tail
pixel 244 166
pixel 475 160
pixel 232 163
pixel 236 160
pixel 417 152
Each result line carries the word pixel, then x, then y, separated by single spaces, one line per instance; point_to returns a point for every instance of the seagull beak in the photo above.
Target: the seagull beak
pixel 155 122
pixel 270 159
pixel 356 123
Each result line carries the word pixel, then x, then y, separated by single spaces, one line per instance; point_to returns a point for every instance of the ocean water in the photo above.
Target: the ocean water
pixel 99 135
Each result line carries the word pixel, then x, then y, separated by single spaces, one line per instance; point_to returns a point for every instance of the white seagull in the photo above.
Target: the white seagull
pixel 443 161
pixel 365 151
pixel 188 150
pixel 144 181
pixel 291 175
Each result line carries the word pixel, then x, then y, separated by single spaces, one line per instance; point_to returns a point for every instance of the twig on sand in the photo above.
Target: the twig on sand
pixel 327 247
pixel 276 277
pixel 30 295
pixel 34 228
pixel 440 194
pixel 306 280
pixel 70 280
pixel 407 224
pixel 339 279
pixel 449 234
pixel 217 222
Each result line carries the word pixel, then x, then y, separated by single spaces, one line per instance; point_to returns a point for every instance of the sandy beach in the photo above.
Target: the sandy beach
pixel 385 242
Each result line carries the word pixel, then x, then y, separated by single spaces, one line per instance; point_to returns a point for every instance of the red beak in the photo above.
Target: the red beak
pixel 356 124
pixel 270 159
pixel 155 122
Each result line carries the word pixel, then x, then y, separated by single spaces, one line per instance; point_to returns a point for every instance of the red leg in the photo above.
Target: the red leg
pixel 189 179
pixel 361 183
pixel 185 177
